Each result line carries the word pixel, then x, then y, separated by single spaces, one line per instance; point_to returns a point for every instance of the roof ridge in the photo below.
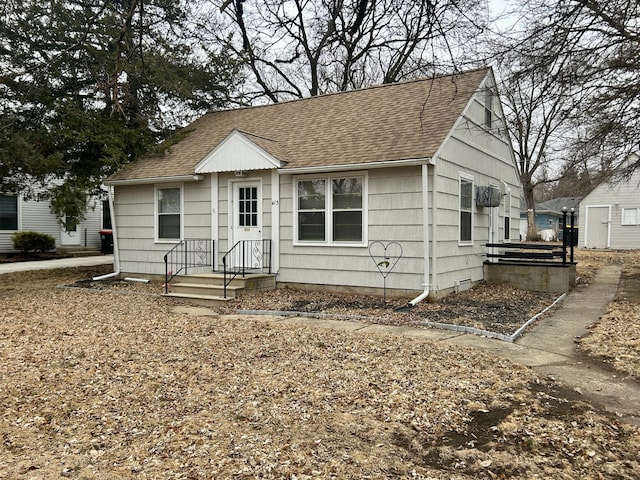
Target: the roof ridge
pixel 357 90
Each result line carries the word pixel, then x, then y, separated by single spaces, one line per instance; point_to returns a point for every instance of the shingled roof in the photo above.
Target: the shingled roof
pixel 391 122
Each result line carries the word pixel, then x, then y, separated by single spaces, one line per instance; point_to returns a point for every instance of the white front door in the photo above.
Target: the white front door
pixel 70 235
pixel 247 224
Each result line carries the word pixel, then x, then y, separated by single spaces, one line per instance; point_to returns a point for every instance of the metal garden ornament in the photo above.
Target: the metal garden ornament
pixel 385 257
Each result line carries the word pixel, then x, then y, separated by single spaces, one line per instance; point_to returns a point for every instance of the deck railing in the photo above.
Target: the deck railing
pixel 187 254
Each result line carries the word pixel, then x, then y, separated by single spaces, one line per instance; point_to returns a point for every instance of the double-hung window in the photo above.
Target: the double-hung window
pixel 168 213
pixel 331 209
pixel 8 212
pixel 631 216
pixel 466 209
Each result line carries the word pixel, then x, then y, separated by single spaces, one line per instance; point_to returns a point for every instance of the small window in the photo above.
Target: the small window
pixel 488 108
pixel 331 210
pixel 630 216
pixel 8 212
pixel 169 209
pixel 466 209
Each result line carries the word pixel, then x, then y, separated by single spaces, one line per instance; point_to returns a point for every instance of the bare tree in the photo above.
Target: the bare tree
pixel 601 41
pixel 298 48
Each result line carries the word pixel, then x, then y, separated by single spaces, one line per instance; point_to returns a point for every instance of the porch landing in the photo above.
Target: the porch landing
pixel 208 288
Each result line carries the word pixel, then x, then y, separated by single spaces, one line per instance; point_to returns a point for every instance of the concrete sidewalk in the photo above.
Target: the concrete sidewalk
pixel 57 263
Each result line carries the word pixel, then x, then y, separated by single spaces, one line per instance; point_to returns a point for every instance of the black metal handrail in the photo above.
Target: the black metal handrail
pixel 187 254
pixel 244 256
pixel 540 252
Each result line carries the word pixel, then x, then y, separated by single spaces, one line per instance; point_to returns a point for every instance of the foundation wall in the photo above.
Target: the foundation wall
pixel 537 277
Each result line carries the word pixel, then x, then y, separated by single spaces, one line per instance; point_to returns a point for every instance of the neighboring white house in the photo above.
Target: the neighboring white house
pixel 610 214
pixel 323 178
pixel 18 214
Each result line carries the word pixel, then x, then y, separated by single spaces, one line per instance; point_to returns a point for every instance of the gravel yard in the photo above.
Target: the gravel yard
pixel 98 384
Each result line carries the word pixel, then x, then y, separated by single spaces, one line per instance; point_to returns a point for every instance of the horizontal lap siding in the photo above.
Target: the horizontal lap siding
pixel 394 214
pixel 471 151
pixel 623 195
pixel 135 225
pixel 36 216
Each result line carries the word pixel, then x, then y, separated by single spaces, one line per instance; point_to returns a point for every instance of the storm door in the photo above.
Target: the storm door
pixel 247 225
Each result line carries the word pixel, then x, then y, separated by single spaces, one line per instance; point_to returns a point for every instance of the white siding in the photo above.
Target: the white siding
pixel 395 215
pixel 135 224
pixel 36 216
pixel 615 196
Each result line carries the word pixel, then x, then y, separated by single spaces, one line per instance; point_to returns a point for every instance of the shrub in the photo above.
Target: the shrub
pixel 33 242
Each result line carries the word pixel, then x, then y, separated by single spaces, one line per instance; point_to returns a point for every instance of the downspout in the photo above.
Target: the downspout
pixel 425 229
pixel 116 255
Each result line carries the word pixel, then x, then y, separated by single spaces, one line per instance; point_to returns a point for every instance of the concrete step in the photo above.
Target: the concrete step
pixel 208 288
pixel 250 282
pixel 188 288
pixel 204 300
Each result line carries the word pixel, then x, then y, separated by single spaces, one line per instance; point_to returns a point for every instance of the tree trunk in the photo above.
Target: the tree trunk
pixel 532 231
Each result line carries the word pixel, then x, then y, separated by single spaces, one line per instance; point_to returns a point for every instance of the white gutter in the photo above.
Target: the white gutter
pixel 143 181
pixel 116 254
pixel 425 228
pixel 357 166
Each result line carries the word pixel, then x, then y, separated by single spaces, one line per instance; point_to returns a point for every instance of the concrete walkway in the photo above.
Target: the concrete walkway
pixel 57 263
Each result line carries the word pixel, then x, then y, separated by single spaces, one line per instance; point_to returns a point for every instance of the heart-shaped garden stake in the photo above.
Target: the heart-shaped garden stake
pixel 385 258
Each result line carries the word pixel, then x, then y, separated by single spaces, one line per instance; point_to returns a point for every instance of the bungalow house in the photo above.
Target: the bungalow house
pixel 610 214
pixel 20 214
pixel 549 216
pixel 322 185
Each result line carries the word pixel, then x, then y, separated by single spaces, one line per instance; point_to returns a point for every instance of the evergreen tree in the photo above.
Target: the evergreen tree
pixel 88 85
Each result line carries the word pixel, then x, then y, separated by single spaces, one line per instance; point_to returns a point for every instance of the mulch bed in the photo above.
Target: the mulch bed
pixel 494 308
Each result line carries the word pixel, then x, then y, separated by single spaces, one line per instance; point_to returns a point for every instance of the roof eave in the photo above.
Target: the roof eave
pixel 142 181
pixel 357 166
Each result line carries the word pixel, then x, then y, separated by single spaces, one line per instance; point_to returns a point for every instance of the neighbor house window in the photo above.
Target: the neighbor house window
pixel 169 213
pixel 631 216
pixel 466 209
pixel 106 215
pixel 8 212
pixel 331 209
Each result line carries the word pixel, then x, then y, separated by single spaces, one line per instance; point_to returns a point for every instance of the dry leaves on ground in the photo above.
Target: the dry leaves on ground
pixel 615 339
pixel 96 385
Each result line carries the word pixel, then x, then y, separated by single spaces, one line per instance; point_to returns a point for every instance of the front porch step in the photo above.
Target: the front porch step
pixel 208 288
pixel 204 300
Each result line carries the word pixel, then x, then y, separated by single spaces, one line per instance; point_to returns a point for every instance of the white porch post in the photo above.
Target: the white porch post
pixel 275 221
pixel 214 218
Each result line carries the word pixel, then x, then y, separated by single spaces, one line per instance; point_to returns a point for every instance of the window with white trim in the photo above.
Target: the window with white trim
pixel 330 209
pixel 168 213
pixel 466 210
pixel 488 108
pixel 8 212
pixel 631 216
